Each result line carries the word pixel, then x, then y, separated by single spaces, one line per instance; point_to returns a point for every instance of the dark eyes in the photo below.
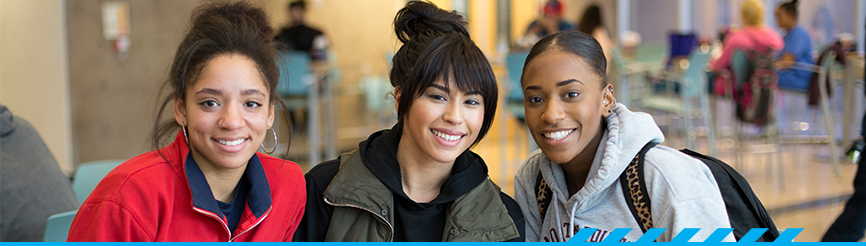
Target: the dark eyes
pixel 209 103
pixel 212 103
pixel 252 104
pixel 568 95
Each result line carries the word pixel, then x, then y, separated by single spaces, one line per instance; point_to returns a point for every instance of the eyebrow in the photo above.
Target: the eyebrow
pixel 441 88
pixel 210 91
pixel 449 90
pixel 561 83
pixel 217 92
pixel 251 92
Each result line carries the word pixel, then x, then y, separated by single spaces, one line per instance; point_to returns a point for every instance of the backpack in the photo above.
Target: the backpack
pixel 755 97
pixel 745 210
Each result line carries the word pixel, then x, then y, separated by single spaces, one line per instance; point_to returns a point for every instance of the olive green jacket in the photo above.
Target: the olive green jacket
pixel 363 208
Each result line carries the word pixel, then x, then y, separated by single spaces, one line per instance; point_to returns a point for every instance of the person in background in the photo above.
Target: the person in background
pixel 419 181
pixel 754 35
pixel 298 35
pixel 210 183
pixel 586 141
pixel 592 24
pixel 32 186
pixel 798 48
pixel 550 22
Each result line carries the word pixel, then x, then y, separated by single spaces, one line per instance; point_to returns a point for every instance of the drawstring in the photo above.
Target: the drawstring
pixel 555 202
pixel 571 219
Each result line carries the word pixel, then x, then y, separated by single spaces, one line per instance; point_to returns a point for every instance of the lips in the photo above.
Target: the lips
pixel 446 136
pixel 557 135
pixel 232 142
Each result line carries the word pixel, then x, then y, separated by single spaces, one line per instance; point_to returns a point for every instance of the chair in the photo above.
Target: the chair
pixel 694 85
pixel 514 63
pixel 57 227
pixel 829 123
pixel 88 175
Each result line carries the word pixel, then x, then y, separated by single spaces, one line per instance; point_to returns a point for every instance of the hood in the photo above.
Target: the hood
pixel 759 37
pixel 7 124
pixel 379 153
pixel 626 133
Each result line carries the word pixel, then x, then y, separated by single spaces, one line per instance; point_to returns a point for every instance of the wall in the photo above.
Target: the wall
pixel 34 70
pixel 113 98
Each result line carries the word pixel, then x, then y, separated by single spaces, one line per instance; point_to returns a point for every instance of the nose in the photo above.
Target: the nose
pixel 453 113
pixel 552 113
pixel 232 118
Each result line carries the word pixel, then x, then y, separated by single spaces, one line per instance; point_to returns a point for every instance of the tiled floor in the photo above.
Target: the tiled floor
pixel 806 193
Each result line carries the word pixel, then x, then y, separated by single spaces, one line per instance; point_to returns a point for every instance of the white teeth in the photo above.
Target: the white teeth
pixel 557 135
pixel 232 143
pixel 447 137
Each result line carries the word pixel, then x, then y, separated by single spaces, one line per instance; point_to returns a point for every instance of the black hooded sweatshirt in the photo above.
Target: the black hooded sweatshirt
pixel 422 222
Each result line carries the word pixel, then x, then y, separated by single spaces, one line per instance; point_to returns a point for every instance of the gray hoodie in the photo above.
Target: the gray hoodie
pixel 682 189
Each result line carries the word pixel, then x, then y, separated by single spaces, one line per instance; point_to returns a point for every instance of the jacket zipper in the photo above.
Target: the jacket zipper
pixel 217 218
pixel 390 227
pixel 254 226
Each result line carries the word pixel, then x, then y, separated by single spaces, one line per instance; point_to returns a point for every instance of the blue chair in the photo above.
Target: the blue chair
pixel 694 86
pixel 88 175
pixel 514 63
pixel 57 227
pixel 295 78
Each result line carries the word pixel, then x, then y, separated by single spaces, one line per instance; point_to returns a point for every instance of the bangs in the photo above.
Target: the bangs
pixel 458 57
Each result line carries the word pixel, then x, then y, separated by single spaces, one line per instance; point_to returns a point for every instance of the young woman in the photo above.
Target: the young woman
pixel 210 184
pixel 586 141
pixel 419 181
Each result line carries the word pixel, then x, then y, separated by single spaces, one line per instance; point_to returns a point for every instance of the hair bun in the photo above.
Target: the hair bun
pixel 242 12
pixel 423 18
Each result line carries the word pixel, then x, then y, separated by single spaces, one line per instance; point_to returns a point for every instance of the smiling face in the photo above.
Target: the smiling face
pixel 226 112
pixel 442 123
pixel 564 103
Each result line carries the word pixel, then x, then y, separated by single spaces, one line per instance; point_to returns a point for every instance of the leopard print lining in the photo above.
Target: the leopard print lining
pixel 542 195
pixel 637 196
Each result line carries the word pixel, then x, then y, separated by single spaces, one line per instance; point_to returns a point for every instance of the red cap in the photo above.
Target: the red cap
pixel 553 7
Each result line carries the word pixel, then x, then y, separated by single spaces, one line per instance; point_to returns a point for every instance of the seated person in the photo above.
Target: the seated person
pixel 419 181
pixel 753 36
pixel 798 48
pixel 298 35
pixel 210 184
pixel 587 141
pixel 549 22
pixel 32 186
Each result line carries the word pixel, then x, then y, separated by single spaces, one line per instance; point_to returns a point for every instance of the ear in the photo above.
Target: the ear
pixel 397 93
pixel 180 111
pixel 271 115
pixel 608 100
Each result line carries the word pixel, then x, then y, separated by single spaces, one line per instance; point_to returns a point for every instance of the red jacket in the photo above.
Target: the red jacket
pixel 149 199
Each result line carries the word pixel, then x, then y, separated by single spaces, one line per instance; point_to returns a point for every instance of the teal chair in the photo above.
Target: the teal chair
pixel 514 63
pixel 57 227
pixel 295 78
pixel 694 86
pixel 88 175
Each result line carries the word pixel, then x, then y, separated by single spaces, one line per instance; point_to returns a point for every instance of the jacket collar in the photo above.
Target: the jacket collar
pixel 355 185
pixel 258 199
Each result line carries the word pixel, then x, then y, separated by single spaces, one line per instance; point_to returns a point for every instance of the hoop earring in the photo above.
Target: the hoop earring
pixel 185 136
pixel 275 141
